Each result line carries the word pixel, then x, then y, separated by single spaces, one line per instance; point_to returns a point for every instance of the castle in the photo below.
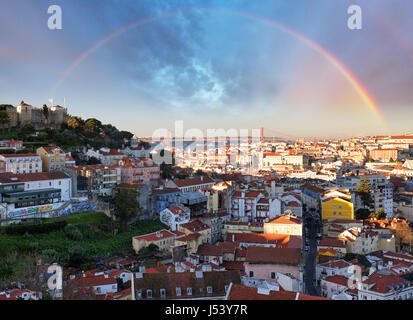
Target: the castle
pixel 25 114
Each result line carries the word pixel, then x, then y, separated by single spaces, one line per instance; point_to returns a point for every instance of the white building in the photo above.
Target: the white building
pixel 20 163
pixel 174 217
pixel 107 157
pixel 32 195
pixel 384 286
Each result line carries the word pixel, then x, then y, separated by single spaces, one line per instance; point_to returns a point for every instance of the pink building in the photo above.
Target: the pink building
pixel 264 263
pixel 139 170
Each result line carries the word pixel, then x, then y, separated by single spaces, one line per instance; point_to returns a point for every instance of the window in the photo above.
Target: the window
pixel 149 294
pixel 251 274
pixel 163 293
pixel 272 275
pixel 189 291
pixel 178 291
pixel 209 289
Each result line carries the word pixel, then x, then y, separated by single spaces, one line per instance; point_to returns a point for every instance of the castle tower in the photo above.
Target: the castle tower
pixel 24 113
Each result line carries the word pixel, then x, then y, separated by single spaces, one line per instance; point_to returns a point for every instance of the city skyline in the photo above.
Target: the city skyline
pixel 289 66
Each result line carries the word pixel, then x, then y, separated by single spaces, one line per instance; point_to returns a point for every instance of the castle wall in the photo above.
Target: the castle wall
pixel 24 115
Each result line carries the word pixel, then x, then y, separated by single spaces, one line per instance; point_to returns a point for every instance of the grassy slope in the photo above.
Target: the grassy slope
pixel 95 243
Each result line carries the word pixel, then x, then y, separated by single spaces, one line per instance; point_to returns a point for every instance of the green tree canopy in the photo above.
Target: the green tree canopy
pixel 92 125
pixel 4 117
pixel 362 214
pixel 126 205
pixel 364 191
pixel 45 111
pixel 75 123
pixel 379 215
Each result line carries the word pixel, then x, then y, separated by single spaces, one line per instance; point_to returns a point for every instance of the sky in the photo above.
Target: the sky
pixel 214 64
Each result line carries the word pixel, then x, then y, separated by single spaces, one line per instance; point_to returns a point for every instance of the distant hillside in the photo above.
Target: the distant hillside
pixel 75 132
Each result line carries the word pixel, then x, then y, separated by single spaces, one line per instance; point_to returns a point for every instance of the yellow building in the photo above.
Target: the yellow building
pixel 163 239
pixel 53 158
pixel 199 227
pixel 336 204
pixel 191 241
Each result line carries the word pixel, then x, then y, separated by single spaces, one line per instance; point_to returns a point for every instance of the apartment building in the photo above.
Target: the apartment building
pixel 53 158
pixel 32 195
pixel 20 163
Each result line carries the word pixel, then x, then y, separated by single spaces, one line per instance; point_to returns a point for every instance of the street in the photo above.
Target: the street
pixel 311 229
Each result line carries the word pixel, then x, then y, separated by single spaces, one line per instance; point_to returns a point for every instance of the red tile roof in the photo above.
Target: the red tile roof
pixel 9 177
pixel 195 225
pixel 239 292
pixel 337 279
pixel 336 264
pixel 155 236
pixel 209 250
pixel 176 210
pixel 21 155
pixel 383 282
pixel 285 219
pixel 331 242
pixel 193 181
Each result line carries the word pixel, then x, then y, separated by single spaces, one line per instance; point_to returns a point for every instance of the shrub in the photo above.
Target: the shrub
pixel 73 233
pixel 35 228
pixel 77 257
pixel 6 270
pixel 50 255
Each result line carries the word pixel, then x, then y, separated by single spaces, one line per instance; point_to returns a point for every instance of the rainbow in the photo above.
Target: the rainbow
pixel 335 62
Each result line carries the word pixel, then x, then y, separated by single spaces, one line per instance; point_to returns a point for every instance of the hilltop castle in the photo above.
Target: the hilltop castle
pixel 25 114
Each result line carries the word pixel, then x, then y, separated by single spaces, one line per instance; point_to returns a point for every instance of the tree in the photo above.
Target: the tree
pixel 126 205
pixel 93 160
pixel 4 118
pixel 6 270
pixel 45 111
pixel 153 247
pixel 362 214
pixel 75 123
pixel 403 233
pixel 92 125
pixel 379 215
pixel 364 191
pixel 77 257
